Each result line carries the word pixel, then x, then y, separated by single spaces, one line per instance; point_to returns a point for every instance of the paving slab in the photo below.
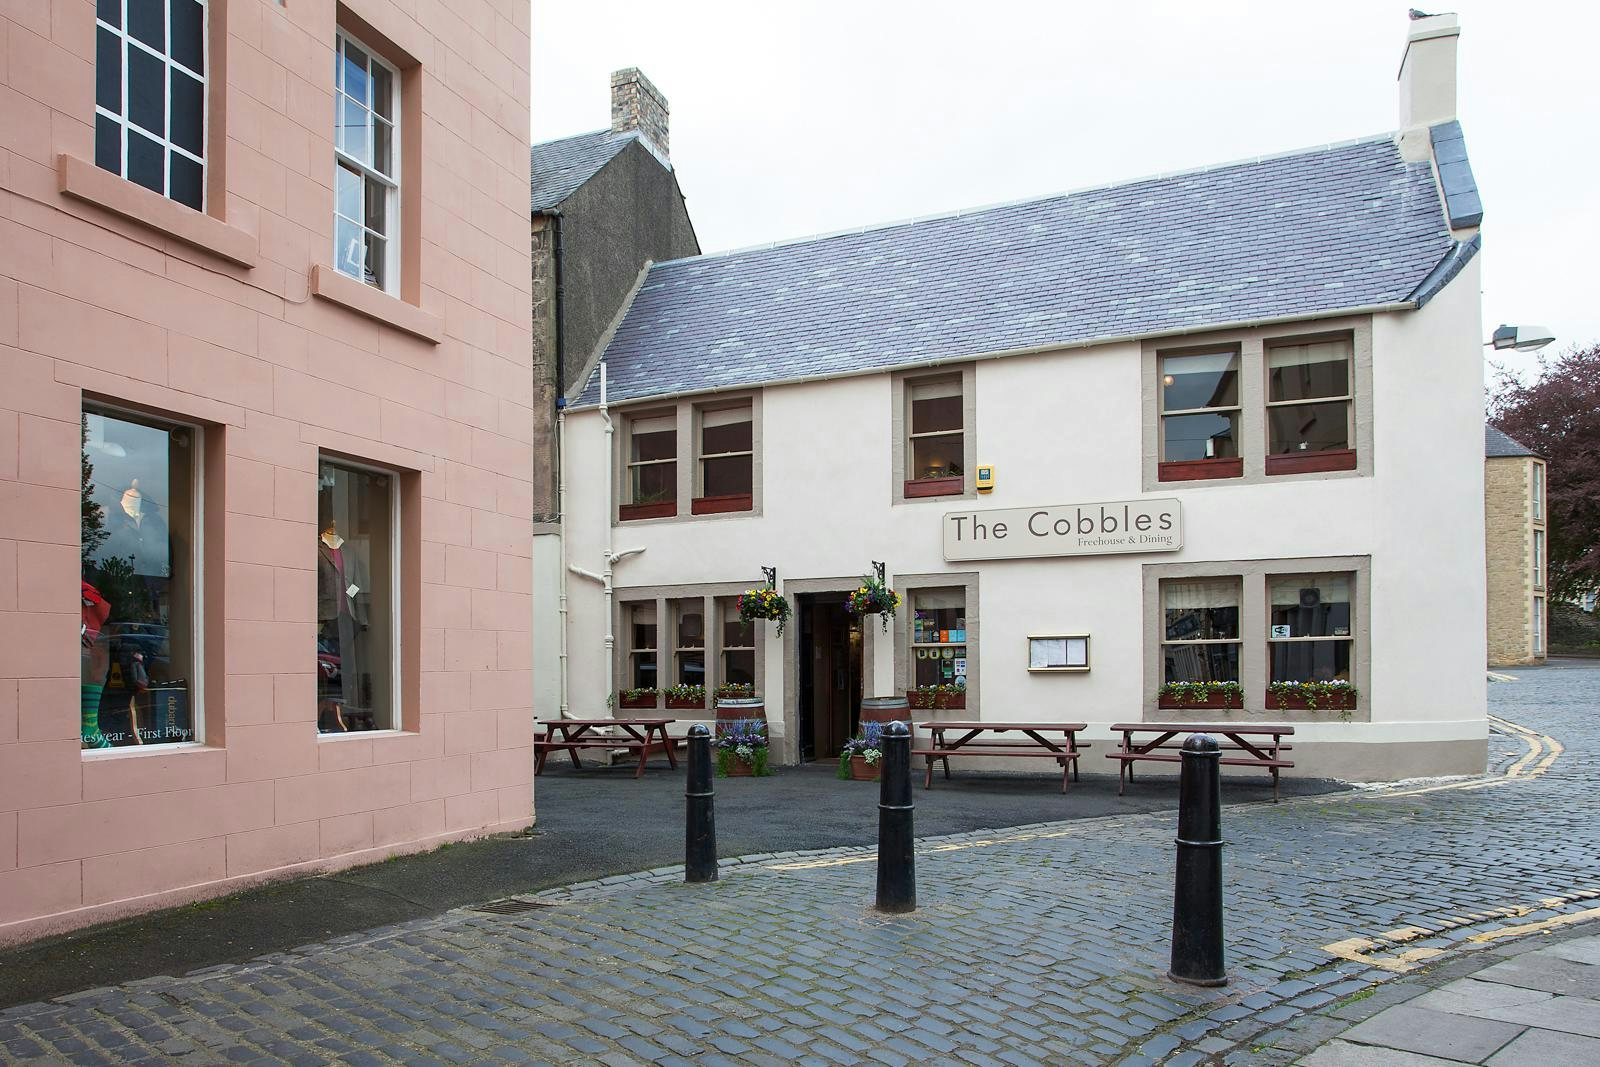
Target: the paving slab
pixel 1470 996
pixel 1549 973
pixel 1572 1015
pixel 1344 1054
pixel 1544 1048
pixel 1581 950
pixel 1434 1033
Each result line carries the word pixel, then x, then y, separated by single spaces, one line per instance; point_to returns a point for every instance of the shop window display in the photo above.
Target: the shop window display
pixel 938 638
pixel 138 624
pixel 355 600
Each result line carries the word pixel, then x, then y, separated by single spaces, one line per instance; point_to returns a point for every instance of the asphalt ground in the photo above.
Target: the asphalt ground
pixel 591 824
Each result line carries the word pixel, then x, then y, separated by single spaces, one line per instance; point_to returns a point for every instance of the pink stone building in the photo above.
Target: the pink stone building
pixel 265 445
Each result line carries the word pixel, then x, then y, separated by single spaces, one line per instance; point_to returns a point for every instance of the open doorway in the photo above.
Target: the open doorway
pixel 830 674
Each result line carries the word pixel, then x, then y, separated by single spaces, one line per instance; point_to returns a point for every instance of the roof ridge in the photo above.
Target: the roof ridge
pixel 576 136
pixel 1020 201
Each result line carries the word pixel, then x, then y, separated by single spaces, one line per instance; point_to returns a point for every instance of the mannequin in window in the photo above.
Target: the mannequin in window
pixel 137 534
pixel 338 583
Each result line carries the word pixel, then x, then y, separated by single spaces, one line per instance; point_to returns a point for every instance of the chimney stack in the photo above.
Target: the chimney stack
pixel 636 104
pixel 1428 70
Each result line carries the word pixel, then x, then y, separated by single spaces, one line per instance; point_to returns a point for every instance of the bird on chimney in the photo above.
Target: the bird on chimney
pixel 1415 14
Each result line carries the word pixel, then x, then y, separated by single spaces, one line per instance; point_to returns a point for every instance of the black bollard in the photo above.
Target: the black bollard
pixel 1197 894
pixel 897 864
pixel 700 823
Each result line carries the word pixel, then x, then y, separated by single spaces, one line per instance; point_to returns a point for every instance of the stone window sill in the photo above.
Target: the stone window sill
pixel 328 284
pixel 136 751
pixel 84 181
pixel 357 735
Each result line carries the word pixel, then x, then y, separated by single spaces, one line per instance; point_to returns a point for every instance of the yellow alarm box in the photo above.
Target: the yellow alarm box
pixel 985 479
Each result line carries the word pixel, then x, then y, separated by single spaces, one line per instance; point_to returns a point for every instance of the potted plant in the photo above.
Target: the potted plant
pixel 1229 696
pixel 764 603
pixel 930 697
pixel 686 697
pixel 644 697
pixel 862 756
pixel 1335 695
pixel 742 750
pixel 873 597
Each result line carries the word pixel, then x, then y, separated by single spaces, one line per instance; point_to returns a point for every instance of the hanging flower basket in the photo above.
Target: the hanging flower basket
pixel 873 598
pixel 764 603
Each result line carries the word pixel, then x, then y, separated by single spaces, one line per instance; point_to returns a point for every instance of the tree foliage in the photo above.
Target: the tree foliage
pixel 1557 415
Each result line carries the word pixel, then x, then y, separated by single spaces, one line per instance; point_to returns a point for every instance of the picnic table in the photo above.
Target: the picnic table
pixel 1244 746
pixel 972 739
pixel 644 736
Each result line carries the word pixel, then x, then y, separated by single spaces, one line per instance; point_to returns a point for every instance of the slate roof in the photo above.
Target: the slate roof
pixel 557 168
pixel 1325 229
pixel 1496 443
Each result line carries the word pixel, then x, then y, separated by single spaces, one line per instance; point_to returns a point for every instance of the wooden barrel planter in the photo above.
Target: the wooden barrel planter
pixel 886 710
pixel 739 709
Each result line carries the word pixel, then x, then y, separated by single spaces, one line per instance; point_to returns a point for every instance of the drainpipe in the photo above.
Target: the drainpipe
pixel 561 511
pixel 610 554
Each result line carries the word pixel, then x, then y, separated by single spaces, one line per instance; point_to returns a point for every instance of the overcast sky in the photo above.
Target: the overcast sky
pixel 808 117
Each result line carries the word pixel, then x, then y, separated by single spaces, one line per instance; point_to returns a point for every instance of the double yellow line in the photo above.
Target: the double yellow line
pixel 1364 950
pixel 1541 747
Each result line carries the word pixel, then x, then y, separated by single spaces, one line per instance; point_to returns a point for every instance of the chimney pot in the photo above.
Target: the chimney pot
pixel 637 105
pixel 1428 70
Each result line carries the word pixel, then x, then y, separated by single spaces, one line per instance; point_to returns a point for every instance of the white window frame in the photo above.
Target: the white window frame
pixel 1539 606
pixel 631 481
pixel 389 182
pixel 196 533
pixel 124 122
pixel 634 650
pixel 1538 559
pixel 396 588
pixel 1318 577
pixel 676 609
pixel 959 390
pixel 1237 581
pixel 1538 492
pixel 1236 409
pixel 719 417
pixel 1348 398
pixel 728 611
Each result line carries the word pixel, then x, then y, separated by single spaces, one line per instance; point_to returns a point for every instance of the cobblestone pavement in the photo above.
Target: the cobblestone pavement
pixel 1041 944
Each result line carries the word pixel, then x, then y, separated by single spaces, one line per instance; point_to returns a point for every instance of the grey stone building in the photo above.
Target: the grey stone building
pixel 605 205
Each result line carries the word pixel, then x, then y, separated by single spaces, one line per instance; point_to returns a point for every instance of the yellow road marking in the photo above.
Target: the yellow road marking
pixel 1533 928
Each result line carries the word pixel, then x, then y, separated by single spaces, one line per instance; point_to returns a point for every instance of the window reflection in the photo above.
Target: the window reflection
pixel 137 630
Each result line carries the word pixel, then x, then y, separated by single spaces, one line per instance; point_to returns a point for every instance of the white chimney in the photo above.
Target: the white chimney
pixel 1428 70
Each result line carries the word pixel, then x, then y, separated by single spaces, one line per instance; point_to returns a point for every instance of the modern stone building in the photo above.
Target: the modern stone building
pixel 264 328
pixel 1216 426
pixel 1515 536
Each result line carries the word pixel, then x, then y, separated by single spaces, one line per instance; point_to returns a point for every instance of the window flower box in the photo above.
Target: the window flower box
pixel 1192 470
pixel 1222 696
pixel 637 698
pixel 1313 696
pixel 686 698
pixel 937 697
pixel 661 509
pixel 953 485
pixel 1334 459
pixel 718 505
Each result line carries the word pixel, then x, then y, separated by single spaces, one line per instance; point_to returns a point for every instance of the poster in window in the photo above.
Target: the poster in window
pixel 1282 631
pixel 1064 652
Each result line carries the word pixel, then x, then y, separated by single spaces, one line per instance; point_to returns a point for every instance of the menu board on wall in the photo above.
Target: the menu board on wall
pixel 1065 652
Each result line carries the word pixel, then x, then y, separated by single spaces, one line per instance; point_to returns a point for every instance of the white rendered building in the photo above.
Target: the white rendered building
pixel 1232 417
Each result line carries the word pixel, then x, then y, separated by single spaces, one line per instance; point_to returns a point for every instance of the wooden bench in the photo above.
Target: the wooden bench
pixel 644 736
pixel 1239 750
pixel 971 742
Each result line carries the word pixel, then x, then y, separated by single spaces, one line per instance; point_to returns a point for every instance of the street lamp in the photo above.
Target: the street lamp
pixel 1521 338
